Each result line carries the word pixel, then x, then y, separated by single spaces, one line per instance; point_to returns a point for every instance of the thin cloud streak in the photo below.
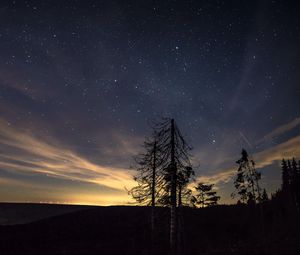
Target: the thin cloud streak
pixel 282 129
pixel 27 154
pixel 288 149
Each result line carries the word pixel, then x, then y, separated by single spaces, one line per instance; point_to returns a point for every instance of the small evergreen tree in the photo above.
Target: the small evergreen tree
pixel 285 176
pixel 264 196
pixel 297 184
pixel 294 182
pixel 205 195
pixel 290 189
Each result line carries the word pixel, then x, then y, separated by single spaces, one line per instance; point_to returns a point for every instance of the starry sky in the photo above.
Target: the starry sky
pixel 80 81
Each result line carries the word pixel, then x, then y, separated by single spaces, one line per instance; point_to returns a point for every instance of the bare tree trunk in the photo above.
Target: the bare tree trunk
pixel 173 220
pixel 179 196
pixel 180 233
pixel 153 186
pixel 179 222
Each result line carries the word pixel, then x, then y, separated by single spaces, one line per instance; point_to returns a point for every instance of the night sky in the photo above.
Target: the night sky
pixel 80 81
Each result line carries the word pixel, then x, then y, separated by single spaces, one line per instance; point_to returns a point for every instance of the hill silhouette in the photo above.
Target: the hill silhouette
pixel 231 229
pixel 21 213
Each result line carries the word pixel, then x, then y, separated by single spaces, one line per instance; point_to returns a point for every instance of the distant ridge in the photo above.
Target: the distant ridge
pixel 21 213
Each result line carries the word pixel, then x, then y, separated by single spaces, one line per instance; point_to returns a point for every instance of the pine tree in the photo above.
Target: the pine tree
pixel 164 171
pixel 147 177
pixel 297 183
pixel 240 186
pixel 246 181
pixel 184 194
pixel 205 195
pixel 290 188
pixel 289 165
pixel 177 170
pixel 293 175
pixel 264 196
pixel 285 177
pixel 294 183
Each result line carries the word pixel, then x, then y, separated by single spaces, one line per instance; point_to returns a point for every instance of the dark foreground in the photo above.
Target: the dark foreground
pixel 126 230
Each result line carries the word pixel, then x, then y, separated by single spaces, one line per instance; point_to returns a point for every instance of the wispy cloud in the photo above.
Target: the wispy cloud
pixel 222 176
pixel 282 129
pixel 287 149
pixel 25 153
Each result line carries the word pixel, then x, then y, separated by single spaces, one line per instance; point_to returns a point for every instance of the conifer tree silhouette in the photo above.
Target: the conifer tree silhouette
pixel 264 196
pixel 290 188
pixel 147 166
pixel 177 168
pixel 205 195
pixel 293 181
pixel 246 181
pixel 285 177
pixel 164 171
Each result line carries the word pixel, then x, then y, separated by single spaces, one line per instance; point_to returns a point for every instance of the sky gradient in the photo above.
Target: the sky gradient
pixel 80 81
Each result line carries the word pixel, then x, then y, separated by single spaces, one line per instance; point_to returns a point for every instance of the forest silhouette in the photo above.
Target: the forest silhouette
pixel 176 215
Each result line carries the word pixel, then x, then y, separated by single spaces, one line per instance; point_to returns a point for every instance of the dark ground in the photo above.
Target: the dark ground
pixel 126 230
